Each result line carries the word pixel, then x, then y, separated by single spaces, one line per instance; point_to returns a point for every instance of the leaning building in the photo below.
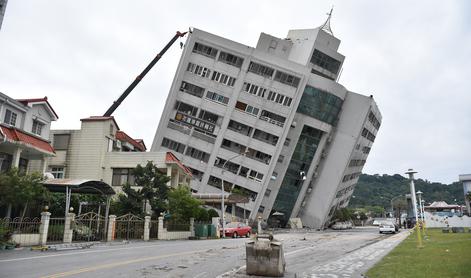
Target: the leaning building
pixel 270 122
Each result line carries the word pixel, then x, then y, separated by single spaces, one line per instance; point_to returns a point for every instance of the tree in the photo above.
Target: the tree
pixel 153 185
pixel 181 204
pixel 21 189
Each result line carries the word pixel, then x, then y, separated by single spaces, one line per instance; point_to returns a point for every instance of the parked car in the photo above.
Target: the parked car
pixel 387 227
pixel 236 229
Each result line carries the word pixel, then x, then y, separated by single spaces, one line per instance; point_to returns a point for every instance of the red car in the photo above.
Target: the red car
pixel 236 229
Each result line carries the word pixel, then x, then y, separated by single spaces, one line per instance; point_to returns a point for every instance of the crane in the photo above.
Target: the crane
pixel 141 76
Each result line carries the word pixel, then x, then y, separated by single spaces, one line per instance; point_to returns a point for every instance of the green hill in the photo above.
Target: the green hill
pixel 378 190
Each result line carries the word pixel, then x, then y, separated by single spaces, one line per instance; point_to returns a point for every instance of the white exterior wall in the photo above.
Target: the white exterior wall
pixel 290 56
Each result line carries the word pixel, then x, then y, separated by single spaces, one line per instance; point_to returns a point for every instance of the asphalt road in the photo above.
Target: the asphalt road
pixel 308 254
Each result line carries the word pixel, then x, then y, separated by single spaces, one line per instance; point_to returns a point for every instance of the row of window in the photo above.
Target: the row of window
pixel 287 79
pixel 261 91
pixel 320 104
pixel 351 176
pixel 199 70
pixel 204 120
pixel 264 115
pixel 223 78
pixel 373 120
pixel 356 162
pixel 368 135
pixel 190 151
pixel 217 97
pixel 250 153
pixel 238 169
pixel 344 191
pixel 11 117
pixel 257 134
pixel 192 89
pixel 325 61
pixel 229 187
pixel 280 76
pixel 224 57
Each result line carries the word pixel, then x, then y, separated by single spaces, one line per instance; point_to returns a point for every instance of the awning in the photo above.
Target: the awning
pixel 79 186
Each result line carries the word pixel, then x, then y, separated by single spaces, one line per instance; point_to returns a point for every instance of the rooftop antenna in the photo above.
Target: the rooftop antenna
pixel 326 25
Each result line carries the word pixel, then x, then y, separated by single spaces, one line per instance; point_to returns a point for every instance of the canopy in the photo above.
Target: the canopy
pixel 69 186
pixel 79 186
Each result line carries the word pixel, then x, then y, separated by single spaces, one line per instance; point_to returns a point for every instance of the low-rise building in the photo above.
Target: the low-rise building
pixel 100 150
pixel 24 133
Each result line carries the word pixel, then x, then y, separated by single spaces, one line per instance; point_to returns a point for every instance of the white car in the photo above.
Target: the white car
pixel 387 227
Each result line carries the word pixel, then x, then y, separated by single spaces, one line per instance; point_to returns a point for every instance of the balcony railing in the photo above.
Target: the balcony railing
pixel 271 121
pixel 203 136
pixel 179 127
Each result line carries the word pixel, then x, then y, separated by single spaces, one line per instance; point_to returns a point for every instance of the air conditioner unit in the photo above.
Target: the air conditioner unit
pixel 117 144
pixel 293 124
pixel 315 174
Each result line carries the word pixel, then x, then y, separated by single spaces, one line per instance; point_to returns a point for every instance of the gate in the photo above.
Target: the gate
pixel 129 226
pixel 154 229
pixel 89 226
pixel 55 232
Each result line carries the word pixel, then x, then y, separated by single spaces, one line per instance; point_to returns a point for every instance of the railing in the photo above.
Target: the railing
pixel 203 136
pixel 173 226
pixel 20 225
pixel 271 121
pixel 178 127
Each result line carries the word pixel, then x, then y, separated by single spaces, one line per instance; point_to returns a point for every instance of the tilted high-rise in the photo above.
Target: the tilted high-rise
pixel 305 138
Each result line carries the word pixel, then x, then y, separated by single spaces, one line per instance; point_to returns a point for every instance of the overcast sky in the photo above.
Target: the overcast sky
pixel 415 58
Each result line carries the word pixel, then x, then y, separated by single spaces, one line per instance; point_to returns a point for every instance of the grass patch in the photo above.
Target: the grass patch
pixel 443 255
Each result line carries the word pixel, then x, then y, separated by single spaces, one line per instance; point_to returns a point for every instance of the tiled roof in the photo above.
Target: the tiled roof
pixel 122 136
pixel 171 158
pixel 26 101
pixel 17 136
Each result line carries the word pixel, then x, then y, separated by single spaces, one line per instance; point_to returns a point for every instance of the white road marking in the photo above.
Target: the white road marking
pixel 87 252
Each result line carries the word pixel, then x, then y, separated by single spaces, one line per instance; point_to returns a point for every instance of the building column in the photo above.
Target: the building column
pixel 111 228
pixel 192 226
pixel 146 228
pixel 15 162
pixel 43 165
pixel 44 227
pixel 68 229
pixel 169 174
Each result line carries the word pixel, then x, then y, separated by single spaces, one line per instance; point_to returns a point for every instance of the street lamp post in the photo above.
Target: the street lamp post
pixel 419 194
pixel 411 173
pixel 222 191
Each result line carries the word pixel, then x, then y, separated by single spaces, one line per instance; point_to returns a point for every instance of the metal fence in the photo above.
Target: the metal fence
pixel 55 232
pixel 175 226
pixel 129 227
pixel 19 225
pixel 89 226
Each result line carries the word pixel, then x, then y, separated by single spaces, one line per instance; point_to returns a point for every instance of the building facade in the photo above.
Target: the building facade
pixel 24 133
pixel 99 150
pixel 3 7
pixel 270 122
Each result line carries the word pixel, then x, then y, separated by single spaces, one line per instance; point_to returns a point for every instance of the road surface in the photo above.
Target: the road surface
pixel 308 254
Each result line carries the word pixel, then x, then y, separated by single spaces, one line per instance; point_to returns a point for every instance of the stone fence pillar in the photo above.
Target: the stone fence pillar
pixel 146 228
pixel 111 228
pixel 161 231
pixel 68 229
pixel 192 226
pixel 45 216
pixel 217 224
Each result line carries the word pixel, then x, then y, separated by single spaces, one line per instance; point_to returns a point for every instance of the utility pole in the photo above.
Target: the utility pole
pixel 411 173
